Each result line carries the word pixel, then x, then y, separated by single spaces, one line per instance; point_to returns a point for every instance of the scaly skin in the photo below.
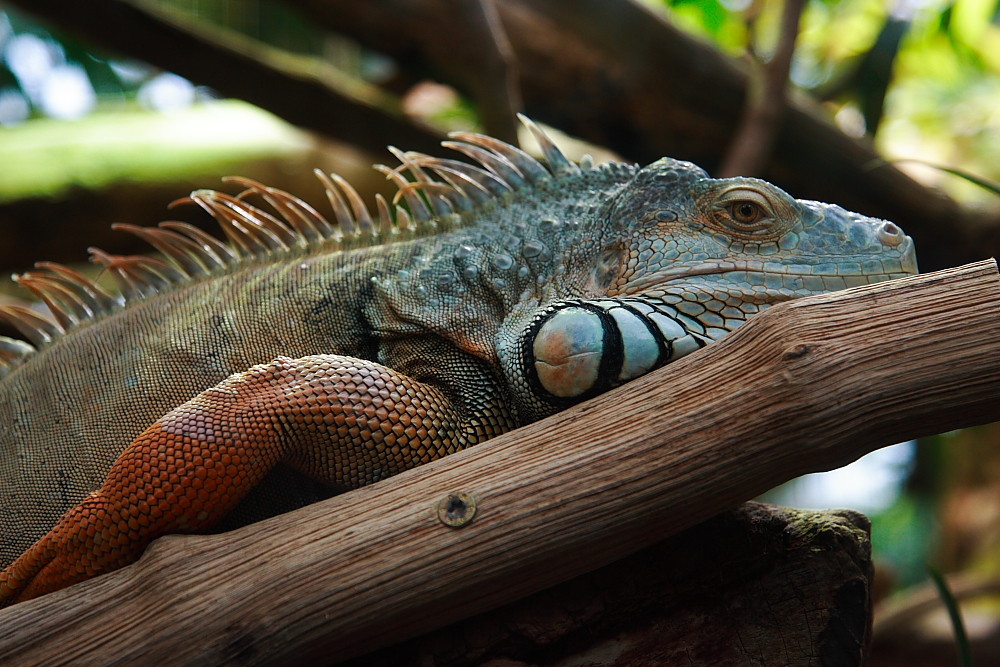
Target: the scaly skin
pixel 349 361
pixel 188 470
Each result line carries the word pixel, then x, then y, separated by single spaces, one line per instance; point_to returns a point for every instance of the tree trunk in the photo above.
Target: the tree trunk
pixel 758 585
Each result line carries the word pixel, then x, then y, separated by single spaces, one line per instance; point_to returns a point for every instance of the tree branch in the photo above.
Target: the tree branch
pixel 303 94
pixel 556 498
pixel 758 585
pixel 487 61
pixel 766 100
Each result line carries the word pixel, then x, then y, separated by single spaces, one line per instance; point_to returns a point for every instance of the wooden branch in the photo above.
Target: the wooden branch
pixel 805 386
pixel 486 51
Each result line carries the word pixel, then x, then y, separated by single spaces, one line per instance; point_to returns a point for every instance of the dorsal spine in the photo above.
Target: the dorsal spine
pixel 432 193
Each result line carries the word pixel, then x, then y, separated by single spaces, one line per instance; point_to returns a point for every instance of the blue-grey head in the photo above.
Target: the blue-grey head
pixel 683 260
pixel 743 241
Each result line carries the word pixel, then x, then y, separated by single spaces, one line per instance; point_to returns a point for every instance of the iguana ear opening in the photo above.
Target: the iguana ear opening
pixel 608 267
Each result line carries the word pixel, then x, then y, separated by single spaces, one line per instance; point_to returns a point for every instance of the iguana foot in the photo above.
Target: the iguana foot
pixel 86 542
pixel 165 482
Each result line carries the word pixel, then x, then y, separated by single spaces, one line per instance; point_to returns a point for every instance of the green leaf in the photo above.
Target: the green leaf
pixel 955 614
pixel 984 183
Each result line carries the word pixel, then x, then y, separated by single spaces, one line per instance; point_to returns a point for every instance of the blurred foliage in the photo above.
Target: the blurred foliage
pixel 955 616
pixel 268 22
pixel 903 535
pixel 920 77
pixel 45 73
pixel 936 63
pixel 134 146
pixel 131 122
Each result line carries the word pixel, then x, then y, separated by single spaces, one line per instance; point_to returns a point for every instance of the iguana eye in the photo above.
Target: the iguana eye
pixel 744 210
pixel 746 213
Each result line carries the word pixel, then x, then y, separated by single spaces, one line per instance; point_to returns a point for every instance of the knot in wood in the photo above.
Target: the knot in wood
pixel 795 352
pixel 456 509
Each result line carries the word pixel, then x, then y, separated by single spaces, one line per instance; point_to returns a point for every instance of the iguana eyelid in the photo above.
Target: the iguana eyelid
pixel 743 193
pixel 773 210
pixel 740 195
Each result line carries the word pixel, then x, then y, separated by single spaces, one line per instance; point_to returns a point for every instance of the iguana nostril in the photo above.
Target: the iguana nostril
pixel 890 234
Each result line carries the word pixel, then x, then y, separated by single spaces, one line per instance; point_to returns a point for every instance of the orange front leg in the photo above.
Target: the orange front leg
pixel 345 421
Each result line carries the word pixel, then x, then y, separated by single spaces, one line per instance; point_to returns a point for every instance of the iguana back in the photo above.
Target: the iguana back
pixel 68 409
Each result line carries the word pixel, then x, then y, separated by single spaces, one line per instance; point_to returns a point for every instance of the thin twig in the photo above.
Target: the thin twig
pixel 765 102
pixel 496 88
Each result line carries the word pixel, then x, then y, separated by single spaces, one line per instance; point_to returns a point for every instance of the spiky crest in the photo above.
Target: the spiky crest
pixel 430 191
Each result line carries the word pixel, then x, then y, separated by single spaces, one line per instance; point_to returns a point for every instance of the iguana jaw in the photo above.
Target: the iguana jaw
pixel 801 278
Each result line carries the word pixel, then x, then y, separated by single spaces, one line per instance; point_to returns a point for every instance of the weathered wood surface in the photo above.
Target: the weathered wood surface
pixel 758 585
pixel 806 386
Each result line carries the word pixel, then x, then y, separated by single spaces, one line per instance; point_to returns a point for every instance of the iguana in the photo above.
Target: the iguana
pixel 227 379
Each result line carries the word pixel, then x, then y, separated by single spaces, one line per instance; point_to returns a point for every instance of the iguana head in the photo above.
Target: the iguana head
pixel 686 258
pixel 745 235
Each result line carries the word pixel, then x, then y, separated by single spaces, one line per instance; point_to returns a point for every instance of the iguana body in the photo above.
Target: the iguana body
pixel 361 349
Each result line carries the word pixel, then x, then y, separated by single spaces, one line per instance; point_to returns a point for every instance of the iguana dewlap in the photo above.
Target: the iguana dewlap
pixel 232 381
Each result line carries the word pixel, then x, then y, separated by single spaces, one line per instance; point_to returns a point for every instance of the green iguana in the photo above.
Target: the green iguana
pixel 232 381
